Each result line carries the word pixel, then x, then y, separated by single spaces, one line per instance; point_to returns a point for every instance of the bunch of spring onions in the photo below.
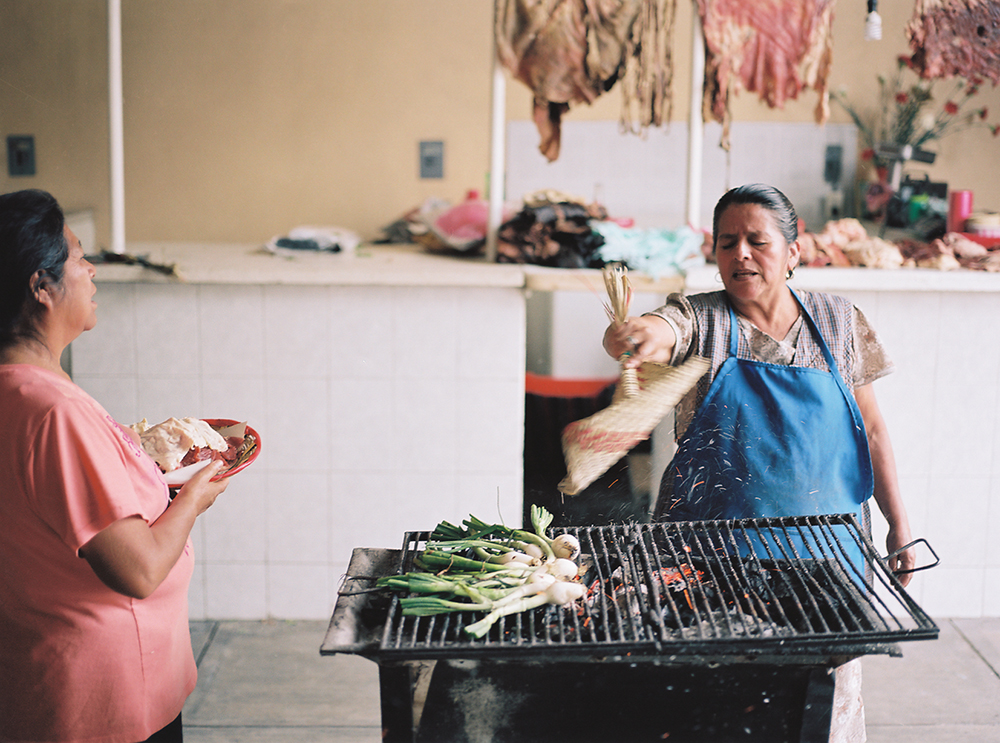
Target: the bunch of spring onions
pixel 490 568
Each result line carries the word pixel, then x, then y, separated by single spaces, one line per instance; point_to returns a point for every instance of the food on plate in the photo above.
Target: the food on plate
pixel 178 442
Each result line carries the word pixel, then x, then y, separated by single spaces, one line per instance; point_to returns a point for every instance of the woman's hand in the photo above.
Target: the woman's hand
pixel 133 557
pixel 646 338
pixel 201 490
pixel 906 560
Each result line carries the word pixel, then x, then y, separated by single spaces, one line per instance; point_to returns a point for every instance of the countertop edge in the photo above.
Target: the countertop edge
pixel 413 266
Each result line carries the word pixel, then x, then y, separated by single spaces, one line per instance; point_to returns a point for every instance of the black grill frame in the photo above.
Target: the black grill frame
pixel 827 607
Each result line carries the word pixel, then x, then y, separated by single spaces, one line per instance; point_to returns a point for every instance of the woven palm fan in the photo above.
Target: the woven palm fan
pixel 644 396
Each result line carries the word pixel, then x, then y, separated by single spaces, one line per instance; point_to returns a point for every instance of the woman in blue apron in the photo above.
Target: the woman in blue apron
pixel 785 423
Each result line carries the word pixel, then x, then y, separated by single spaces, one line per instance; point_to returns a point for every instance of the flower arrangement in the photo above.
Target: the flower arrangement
pixel 904 118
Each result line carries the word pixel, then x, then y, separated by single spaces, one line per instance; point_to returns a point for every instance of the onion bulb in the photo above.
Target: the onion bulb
pixel 564 592
pixel 567 546
pixel 563 569
pixel 542 578
pixel 532 550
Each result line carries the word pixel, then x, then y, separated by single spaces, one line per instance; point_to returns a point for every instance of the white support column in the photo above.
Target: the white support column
pixel 498 164
pixel 696 125
pixel 116 127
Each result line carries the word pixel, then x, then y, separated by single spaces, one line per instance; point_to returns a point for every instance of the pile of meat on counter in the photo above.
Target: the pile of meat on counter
pixel 846 243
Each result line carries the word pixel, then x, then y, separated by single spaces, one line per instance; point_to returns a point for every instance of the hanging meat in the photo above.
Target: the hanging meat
pixel 572 51
pixel 956 38
pixel 775 48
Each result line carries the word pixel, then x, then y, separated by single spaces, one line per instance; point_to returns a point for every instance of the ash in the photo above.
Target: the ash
pixel 732 623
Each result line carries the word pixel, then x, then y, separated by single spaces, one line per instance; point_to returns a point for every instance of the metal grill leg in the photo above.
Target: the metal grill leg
pixel 396 699
pixel 818 710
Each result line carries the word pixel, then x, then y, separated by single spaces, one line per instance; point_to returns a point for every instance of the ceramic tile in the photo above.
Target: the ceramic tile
pixel 236 399
pixel 963 433
pixel 363 503
pixel 491 496
pixel 235 525
pixel 230 322
pixel 361 419
pixel 235 591
pixel 490 334
pixel 197 537
pixel 960 508
pixel 422 499
pixel 490 424
pixel 907 325
pixel 110 347
pixel 299 591
pixel 425 433
pixel 425 333
pixel 962 345
pixel 117 395
pixel 907 413
pixel 297 331
pixel 298 508
pixel 953 592
pixel 298 430
pixel 991 593
pixel 361 332
pixel 167 320
pixel 161 398
pixel 995 469
pixel 992 525
pixel 196 591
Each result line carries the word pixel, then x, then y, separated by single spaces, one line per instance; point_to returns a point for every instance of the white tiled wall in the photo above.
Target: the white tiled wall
pixel 381 410
pixel 645 177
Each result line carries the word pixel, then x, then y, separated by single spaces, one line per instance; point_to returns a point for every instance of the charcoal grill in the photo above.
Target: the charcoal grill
pixel 709 630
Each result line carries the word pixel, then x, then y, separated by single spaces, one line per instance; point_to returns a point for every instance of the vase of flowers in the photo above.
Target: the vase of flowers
pixel 909 113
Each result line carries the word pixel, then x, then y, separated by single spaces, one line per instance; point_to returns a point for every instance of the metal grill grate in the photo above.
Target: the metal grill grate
pixel 783 586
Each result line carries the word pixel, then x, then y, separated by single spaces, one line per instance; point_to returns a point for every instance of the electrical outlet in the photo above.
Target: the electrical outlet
pixel 20 154
pixel 432 159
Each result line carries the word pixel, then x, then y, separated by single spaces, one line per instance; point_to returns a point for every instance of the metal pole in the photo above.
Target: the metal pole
pixel 497 159
pixel 116 126
pixel 696 125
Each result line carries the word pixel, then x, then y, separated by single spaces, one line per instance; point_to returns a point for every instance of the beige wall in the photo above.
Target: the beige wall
pixel 244 118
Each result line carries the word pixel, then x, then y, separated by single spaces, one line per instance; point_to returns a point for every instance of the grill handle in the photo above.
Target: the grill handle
pixel 906 547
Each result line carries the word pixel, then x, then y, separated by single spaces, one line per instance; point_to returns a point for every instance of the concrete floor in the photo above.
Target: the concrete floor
pixel 265 682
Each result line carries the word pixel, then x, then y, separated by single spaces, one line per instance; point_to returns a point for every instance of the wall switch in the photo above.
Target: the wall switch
pixel 20 154
pixel 432 159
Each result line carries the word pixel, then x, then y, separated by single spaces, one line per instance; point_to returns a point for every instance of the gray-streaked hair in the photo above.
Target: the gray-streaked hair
pixel 762 195
pixel 31 242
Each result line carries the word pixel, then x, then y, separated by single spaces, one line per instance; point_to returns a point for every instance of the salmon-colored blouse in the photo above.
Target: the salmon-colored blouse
pixel 78 661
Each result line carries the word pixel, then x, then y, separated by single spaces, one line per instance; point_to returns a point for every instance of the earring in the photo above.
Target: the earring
pixel 790 274
pixel 718 277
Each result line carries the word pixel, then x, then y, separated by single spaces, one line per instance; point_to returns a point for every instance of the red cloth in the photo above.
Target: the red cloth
pixel 78 661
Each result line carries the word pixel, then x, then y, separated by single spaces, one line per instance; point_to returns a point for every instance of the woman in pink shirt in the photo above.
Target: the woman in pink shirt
pixel 95 559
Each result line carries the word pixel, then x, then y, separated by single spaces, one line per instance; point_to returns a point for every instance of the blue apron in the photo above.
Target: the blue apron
pixel 773 440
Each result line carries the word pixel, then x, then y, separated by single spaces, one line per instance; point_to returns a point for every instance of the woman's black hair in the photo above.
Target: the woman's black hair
pixel 762 195
pixel 31 242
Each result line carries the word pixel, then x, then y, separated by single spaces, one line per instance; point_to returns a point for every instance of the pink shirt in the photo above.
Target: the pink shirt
pixel 78 661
